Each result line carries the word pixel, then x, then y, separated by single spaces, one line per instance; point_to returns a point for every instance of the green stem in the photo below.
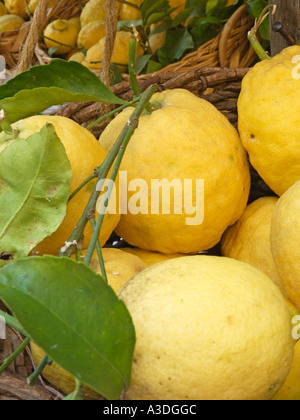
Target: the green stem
pixel 90 178
pixel 124 137
pixel 128 4
pixel 31 380
pixel 112 113
pixel 77 394
pixel 132 68
pixel 13 323
pixel 99 253
pixel 256 45
pixel 103 170
pixel 12 357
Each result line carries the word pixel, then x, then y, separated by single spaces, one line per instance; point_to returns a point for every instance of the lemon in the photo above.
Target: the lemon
pixel 85 154
pixel 120 266
pixel 290 390
pixel 61 32
pixel 32 5
pixel 149 257
pixel 285 231
pixel 10 22
pixel 91 33
pixel 128 12
pixel 77 56
pixel 93 10
pixel 75 21
pixel 249 239
pixel 16 7
pixel 207 328
pixel 94 54
pixel 185 139
pixel 3 10
pixel 269 108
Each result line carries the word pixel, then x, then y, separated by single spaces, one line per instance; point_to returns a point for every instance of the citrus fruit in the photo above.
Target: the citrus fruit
pixel 269 128
pixel 249 239
pixel 187 147
pixel 128 12
pixel 61 32
pixel 16 7
pixel 94 54
pixel 207 328
pixel 285 231
pixel 10 22
pixel 58 377
pixel 120 266
pixel 85 154
pixel 32 5
pixel 150 257
pixel 3 10
pixel 77 56
pixel 290 391
pixel 75 21
pixel 91 33
pixel 93 10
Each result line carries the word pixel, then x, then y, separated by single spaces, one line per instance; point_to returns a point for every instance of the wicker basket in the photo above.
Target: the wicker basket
pixel 12 41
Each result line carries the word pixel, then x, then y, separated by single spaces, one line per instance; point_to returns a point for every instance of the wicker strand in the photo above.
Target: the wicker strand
pixel 33 37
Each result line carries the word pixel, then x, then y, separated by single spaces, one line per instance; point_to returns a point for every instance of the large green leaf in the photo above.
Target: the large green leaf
pixel 35 179
pixel 178 42
pixel 75 317
pixel 43 86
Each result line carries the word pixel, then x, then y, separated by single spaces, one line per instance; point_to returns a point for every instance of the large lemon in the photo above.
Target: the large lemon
pixel 207 328
pixel 16 7
pixel 285 246
pixel 85 154
pixel 187 147
pixel 128 12
pixel 269 109
pixel 249 239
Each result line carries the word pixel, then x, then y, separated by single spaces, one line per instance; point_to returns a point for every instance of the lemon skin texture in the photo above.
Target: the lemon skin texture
pixel 207 328
pixel 269 109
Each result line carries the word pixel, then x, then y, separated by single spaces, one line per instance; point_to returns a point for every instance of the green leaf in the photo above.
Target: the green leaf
pixel 115 74
pixel 75 317
pixel 35 179
pixel 178 42
pixel 141 62
pixel 199 5
pixel 60 81
pixel 255 8
pixel 205 29
pixel 149 7
pixel 213 6
pixel 153 66
pixel 128 24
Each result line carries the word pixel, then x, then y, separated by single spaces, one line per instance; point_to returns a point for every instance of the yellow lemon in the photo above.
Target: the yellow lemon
pixel 91 33
pixel 249 239
pixel 77 56
pixel 285 231
pixel 186 174
pixel 149 257
pixel 61 34
pixel 32 5
pixel 290 390
pixel 94 54
pixel 128 12
pixel 207 328
pixel 16 7
pixel 85 154
pixel 10 22
pixel 93 10
pixel 120 266
pixel 3 10
pixel 269 108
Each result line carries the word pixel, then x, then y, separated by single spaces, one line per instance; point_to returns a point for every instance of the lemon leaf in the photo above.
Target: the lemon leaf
pixel 35 179
pixel 41 87
pixel 75 317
